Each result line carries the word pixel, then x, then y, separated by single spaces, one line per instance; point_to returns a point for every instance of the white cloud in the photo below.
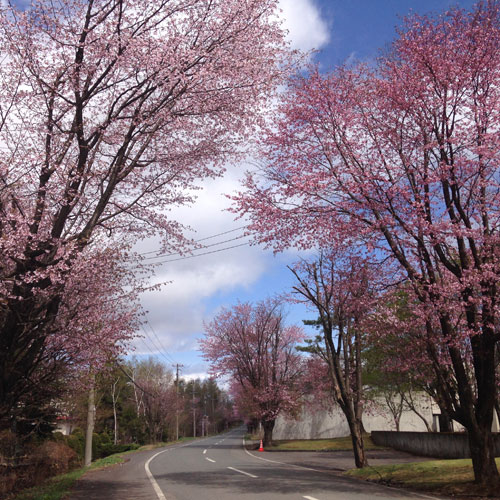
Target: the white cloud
pixel 194 376
pixel 176 313
pixel 307 30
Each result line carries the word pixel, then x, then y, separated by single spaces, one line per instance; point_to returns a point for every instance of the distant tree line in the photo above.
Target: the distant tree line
pixel 140 401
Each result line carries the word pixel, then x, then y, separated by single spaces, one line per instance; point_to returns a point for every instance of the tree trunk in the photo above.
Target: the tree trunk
pixel 18 450
pixel 24 323
pixel 362 428
pixel 115 417
pixel 90 426
pixel 481 442
pixel 445 422
pixel 268 432
pixel 483 457
pixel 114 397
pixel 358 447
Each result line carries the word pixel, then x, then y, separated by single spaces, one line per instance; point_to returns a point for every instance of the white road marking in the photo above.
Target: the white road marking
pixel 204 451
pixel 156 487
pixel 242 472
pixel 281 463
pixel 310 498
pixel 421 495
pixel 209 459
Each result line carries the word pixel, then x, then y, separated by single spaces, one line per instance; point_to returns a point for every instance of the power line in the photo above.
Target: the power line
pixel 160 349
pixel 204 253
pixel 133 381
pixel 197 241
pixel 157 345
pixel 159 342
pixel 149 347
pixel 203 246
pixel 221 234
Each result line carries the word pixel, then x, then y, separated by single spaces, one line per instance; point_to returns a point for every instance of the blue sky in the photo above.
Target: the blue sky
pixel 339 30
pixel 360 28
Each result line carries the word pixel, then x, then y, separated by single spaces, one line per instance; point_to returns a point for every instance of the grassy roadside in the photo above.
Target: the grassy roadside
pixel 445 477
pixel 58 486
pixel 440 477
pixel 333 444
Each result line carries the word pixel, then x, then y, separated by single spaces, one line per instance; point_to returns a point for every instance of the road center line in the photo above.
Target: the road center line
pixel 242 472
pixel 209 459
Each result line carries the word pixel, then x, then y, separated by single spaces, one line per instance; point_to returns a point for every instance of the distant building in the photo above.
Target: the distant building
pixel 64 425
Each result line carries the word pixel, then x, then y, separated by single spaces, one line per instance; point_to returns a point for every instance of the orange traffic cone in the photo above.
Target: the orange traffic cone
pixel 261 446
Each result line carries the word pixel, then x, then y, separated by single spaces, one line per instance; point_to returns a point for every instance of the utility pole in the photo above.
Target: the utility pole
pixel 194 415
pixel 204 415
pixel 90 423
pixel 177 366
pixel 213 413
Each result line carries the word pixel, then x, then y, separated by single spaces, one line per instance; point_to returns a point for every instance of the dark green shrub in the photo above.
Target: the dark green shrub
pixel 59 437
pixel 8 443
pixel 110 448
pixel 96 446
pixel 76 441
pixel 102 445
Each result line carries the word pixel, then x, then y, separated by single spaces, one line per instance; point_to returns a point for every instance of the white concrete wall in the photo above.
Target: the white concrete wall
pixel 319 424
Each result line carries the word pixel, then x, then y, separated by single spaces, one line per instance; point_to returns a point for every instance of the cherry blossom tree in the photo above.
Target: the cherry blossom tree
pixel 406 155
pixel 251 344
pixel 339 286
pixel 109 112
pixel 95 323
pixel 93 327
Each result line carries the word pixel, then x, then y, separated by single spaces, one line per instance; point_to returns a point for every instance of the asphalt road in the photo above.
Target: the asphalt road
pixel 219 468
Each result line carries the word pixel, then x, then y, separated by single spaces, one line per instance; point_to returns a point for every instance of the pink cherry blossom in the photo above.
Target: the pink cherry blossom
pixel 251 344
pixel 403 159
pixel 110 112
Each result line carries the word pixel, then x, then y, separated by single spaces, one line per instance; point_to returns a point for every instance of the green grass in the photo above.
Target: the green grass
pixel 450 477
pixel 58 486
pixel 54 489
pixel 335 444
pixel 153 446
